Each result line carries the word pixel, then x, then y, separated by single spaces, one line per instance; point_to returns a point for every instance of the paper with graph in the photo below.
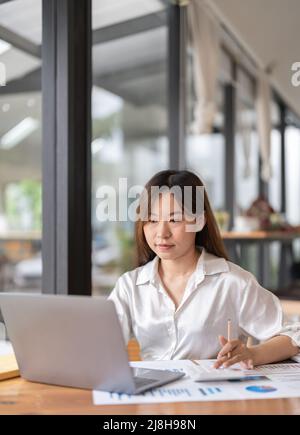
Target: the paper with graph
pixel 284 382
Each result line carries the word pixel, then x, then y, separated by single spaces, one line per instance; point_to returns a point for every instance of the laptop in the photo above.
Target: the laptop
pixel 74 341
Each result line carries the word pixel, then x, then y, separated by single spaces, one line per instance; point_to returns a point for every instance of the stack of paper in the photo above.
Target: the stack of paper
pixel 8 367
pixel 271 381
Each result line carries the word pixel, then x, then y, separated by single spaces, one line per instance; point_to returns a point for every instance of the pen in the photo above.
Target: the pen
pixel 249 342
pixel 229 334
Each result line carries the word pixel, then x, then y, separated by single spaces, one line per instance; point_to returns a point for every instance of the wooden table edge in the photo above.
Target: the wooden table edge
pixel 21 397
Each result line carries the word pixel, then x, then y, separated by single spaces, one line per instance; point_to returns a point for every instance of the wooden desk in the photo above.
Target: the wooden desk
pixel 18 396
pixel 260 235
pixel 18 245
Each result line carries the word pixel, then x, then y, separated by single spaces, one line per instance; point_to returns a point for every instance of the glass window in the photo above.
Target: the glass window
pixel 205 156
pixel 246 146
pixel 205 153
pixel 292 175
pixel 275 191
pixel 292 153
pixel 20 151
pixel 129 113
pixel 247 157
pixel 23 17
pixel 275 181
pixel 107 12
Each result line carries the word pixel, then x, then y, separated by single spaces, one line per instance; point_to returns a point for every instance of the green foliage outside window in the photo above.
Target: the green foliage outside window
pixel 23 205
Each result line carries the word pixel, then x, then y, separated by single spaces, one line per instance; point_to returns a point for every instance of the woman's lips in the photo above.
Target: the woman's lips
pixel 164 247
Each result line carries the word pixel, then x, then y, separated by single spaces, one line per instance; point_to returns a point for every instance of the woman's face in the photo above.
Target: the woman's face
pixel 166 230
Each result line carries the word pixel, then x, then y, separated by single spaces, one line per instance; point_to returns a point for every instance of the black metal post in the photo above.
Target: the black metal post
pixel 177 16
pixel 282 127
pixel 66 86
pixel 229 134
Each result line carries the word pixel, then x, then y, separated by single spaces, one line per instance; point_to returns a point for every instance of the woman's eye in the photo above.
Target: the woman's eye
pixel 155 221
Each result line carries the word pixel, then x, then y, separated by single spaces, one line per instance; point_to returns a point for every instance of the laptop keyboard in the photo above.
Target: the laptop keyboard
pixel 141 382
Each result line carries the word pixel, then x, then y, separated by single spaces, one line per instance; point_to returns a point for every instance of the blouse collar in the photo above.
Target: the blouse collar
pixel 208 264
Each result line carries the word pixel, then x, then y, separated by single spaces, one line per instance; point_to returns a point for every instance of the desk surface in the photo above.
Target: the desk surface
pixel 260 235
pixel 18 396
pixel 20 235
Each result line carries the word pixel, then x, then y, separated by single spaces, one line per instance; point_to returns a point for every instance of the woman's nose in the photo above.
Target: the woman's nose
pixel 163 229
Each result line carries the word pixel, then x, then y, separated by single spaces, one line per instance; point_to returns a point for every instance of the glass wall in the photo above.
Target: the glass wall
pixel 275 182
pixel 205 153
pixel 129 134
pixel 246 157
pixel 129 113
pixel 293 174
pixel 205 156
pixel 20 147
pixel 246 145
pixel 274 196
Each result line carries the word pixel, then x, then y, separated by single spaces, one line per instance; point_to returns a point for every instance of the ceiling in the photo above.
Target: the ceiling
pixel 267 29
pixel 270 31
pixel 27 20
pixel 134 67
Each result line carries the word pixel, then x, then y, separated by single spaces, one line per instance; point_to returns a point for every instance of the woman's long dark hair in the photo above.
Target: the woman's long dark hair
pixel 209 237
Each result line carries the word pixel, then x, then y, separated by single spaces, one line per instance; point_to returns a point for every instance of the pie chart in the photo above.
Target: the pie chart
pixel 261 389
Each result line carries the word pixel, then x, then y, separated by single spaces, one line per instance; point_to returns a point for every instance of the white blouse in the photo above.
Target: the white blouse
pixel 218 290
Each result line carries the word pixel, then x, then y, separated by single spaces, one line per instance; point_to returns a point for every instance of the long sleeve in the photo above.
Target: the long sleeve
pixel 261 316
pixel 119 296
pixel 292 331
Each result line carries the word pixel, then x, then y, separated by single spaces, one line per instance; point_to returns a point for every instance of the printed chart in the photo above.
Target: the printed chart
pixel 273 381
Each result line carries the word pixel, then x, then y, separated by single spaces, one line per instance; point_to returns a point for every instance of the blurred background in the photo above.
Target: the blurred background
pixel 240 128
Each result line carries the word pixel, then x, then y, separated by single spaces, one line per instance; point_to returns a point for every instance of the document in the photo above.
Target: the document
pixel 6 348
pixel 282 372
pixel 272 381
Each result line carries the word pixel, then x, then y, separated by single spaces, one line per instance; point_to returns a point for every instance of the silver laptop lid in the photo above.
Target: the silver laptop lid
pixel 67 340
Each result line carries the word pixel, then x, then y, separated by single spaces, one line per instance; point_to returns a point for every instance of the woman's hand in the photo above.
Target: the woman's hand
pixel 239 353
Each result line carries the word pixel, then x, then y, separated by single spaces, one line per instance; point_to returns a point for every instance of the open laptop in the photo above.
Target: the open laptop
pixel 74 341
